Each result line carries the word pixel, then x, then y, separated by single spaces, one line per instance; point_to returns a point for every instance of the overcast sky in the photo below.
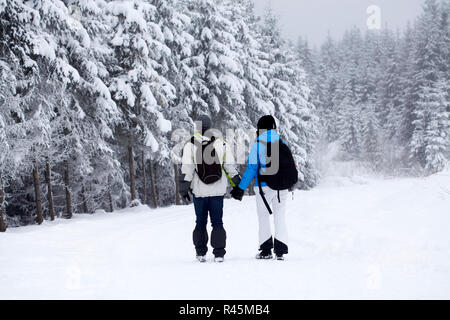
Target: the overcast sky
pixel 314 18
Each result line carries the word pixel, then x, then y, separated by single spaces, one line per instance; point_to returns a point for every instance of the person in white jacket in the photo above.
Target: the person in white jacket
pixel 207 169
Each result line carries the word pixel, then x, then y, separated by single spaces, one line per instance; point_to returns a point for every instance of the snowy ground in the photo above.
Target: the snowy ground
pixel 349 238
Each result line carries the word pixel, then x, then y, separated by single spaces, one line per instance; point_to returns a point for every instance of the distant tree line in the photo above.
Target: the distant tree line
pixel 383 96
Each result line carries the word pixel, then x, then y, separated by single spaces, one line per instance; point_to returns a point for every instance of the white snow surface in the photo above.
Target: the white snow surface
pixel 352 238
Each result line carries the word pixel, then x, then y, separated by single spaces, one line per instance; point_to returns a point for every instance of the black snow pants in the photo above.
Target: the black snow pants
pixel 213 206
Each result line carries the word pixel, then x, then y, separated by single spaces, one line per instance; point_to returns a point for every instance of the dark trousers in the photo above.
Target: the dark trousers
pixel 213 206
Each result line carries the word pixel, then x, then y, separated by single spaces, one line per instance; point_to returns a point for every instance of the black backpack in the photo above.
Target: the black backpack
pixel 287 175
pixel 208 173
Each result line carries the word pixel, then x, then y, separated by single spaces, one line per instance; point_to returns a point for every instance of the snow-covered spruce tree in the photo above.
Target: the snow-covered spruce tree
pixel 371 138
pixel 255 62
pixel 139 88
pixel 305 54
pixel 326 82
pixel 26 49
pixel 432 127
pixel 215 62
pixel 388 103
pixel 173 60
pixel 406 94
pixel 388 86
pixel 7 100
pixel 349 129
pixel 352 118
pixel 69 142
pixel 7 103
pixel 101 178
pixel 291 98
pixel 429 142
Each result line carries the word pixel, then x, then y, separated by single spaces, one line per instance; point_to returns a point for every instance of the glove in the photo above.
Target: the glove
pixel 237 193
pixel 236 180
pixel 184 188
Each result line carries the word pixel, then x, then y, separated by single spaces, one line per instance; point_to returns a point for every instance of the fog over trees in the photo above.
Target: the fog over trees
pixel 383 96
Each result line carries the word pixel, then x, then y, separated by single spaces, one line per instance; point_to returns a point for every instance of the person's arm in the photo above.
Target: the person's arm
pixel 250 174
pixel 252 168
pixel 229 166
pixel 187 171
pixel 187 162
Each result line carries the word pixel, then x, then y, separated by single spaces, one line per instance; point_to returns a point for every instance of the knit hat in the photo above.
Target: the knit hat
pixel 205 122
pixel 267 123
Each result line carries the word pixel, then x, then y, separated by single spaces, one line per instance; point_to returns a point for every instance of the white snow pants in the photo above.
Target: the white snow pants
pixel 279 217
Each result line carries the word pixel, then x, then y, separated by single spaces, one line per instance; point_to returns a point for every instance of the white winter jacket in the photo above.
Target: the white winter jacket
pixel 200 189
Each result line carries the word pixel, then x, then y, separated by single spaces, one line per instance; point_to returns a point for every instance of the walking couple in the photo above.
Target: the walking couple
pixel 207 169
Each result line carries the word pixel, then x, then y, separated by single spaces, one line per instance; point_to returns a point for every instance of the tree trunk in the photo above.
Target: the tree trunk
pixel 37 194
pixel 2 210
pixel 177 186
pixel 111 207
pixel 83 198
pixel 66 187
pixel 144 182
pixel 152 185
pixel 48 180
pixel 132 177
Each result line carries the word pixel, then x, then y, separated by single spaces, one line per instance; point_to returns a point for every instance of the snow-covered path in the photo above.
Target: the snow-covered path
pixel 358 239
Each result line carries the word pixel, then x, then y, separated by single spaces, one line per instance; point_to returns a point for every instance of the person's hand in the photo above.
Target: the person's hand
pixel 237 193
pixel 186 196
pixel 184 190
pixel 236 180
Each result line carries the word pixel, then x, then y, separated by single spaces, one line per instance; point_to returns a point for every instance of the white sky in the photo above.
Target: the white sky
pixel 314 18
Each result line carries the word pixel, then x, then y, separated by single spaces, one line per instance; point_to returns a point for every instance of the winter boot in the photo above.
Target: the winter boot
pixel 264 255
pixel 201 258
pixel 280 257
pixel 218 259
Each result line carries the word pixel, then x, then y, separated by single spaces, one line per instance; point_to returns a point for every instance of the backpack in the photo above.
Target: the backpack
pixel 208 173
pixel 286 176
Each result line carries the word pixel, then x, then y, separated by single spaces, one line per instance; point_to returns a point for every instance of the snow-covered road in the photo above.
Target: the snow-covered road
pixel 349 238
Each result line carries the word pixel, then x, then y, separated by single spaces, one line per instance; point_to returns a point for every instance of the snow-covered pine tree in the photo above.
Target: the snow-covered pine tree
pixel 371 139
pixel 349 129
pixel 305 54
pixel 388 101
pixel 178 42
pixel 140 90
pixel 258 99
pixel 291 98
pixel 432 127
pixel 326 83
pixel 407 94
pixel 29 49
pixel 215 62
pixel 428 144
pixel 90 55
